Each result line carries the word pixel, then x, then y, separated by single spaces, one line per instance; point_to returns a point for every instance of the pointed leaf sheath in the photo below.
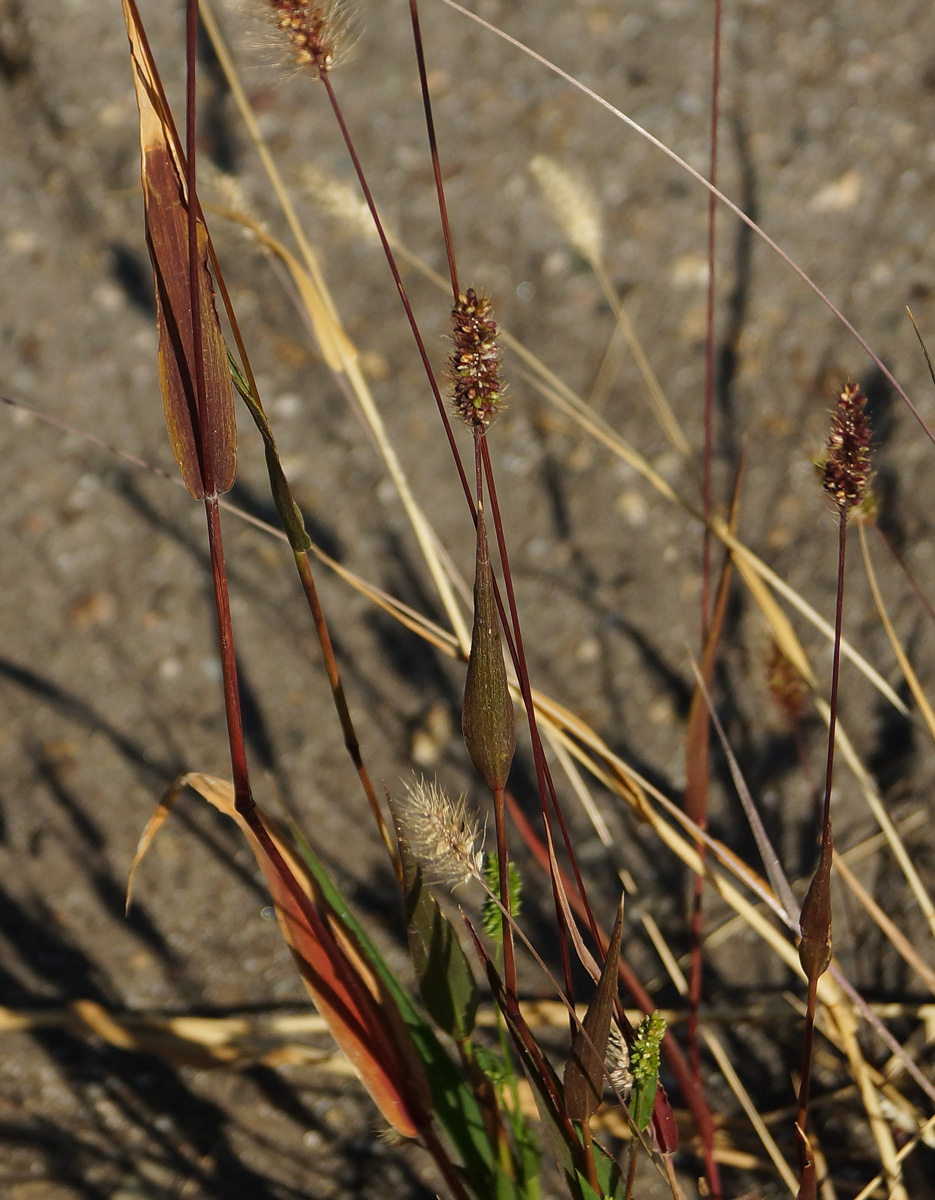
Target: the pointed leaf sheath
pixel 815 922
pixel 202 433
pixel 487 714
pixel 584 1071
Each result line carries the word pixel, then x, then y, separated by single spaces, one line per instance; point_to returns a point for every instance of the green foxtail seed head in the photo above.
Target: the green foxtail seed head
pixel 492 919
pixel 644 1064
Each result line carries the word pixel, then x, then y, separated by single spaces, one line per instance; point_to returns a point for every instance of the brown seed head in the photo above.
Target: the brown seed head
pixel 315 28
pixel 474 364
pixel 846 470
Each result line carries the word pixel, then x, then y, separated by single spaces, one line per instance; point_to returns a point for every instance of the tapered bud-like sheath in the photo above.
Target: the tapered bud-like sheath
pixel 487 714
pixel 815 922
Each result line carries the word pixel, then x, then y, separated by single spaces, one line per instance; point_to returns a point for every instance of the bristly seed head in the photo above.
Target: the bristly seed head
pixel 315 28
pixel 442 833
pixel 846 470
pixel 474 364
pixel 617 1062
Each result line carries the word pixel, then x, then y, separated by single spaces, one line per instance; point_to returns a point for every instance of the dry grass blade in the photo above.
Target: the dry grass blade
pixel 883 819
pixel 336 347
pixel 894 935
pixel 902 657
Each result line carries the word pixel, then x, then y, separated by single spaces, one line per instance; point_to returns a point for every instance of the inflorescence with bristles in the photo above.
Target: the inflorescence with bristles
pixel 846 470
pixel 314 27
pixel 617 1062
pixel 442 833
pixel 474 364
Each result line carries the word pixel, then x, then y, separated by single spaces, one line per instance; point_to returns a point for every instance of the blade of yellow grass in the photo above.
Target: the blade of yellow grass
pixel 901 657
pixel 901 1155
pixel 336 347
pixel 882 817
pixel 362 1018
pixel 554 390
pixel 726 1067
pixel 843 1016
pixel 868 847
pixel 894 935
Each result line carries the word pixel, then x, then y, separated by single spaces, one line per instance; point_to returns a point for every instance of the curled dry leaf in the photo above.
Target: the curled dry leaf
pixel 202 430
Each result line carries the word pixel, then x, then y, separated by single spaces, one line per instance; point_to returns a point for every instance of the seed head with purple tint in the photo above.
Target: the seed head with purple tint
pixel 846 470
pixel 474 363
pixel 313 28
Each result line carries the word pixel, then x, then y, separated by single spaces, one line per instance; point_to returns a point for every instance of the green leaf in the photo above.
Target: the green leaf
pixel 453 1102
pixel 446 982
pixel 290 514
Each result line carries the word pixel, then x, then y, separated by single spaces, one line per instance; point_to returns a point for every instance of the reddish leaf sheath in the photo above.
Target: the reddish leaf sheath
pixel 203 437
pixel 202 434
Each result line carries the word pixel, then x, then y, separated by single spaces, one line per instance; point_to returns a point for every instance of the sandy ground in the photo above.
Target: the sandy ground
pixel 108 667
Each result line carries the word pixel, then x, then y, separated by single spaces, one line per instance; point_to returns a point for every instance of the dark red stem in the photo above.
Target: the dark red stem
pixel 397 279
pixel 805 1159
pixel 433 148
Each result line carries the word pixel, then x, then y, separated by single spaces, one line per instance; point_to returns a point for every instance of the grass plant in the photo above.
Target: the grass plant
pixel 586 1040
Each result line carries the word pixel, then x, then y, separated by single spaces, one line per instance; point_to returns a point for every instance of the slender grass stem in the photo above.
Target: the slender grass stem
pixel 433 148
pixel 351 741
pixel 806 1158
pixel 709 325
pixel 503 850
pixel 397 279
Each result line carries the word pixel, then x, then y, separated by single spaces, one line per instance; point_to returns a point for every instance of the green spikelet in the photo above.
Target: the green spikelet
pixel 492 919
pixel 644 1066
